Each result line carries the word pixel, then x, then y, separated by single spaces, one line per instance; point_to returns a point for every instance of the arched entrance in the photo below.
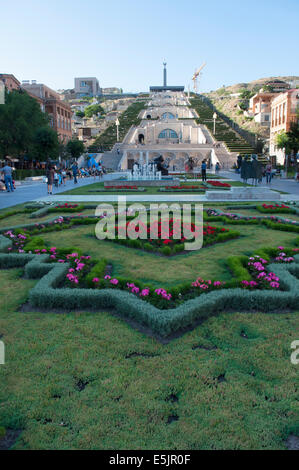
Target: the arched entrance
pixel 141 138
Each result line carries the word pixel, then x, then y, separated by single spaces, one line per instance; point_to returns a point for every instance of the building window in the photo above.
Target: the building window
pixel 168 134
pixel 167 116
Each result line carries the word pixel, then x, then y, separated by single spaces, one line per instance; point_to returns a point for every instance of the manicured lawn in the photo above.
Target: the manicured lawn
pixel 85 380
pixel 76 381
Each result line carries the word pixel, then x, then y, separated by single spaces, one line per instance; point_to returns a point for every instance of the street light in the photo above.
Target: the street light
pixel 117 133
pixel 215 117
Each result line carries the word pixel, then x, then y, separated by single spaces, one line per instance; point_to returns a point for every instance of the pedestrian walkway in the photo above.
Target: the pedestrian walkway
pixel 278 184
pixel 157 198
pixel 38 190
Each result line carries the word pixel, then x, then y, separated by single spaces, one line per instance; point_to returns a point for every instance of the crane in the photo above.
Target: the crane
pixel 195 76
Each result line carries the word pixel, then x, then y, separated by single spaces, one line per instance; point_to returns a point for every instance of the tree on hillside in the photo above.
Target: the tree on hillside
pixel 20 118
pixel 46 144
pixel 93 109
pixel 75 148
pixel 80 114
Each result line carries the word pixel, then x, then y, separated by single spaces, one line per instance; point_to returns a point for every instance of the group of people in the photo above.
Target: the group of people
pixel 6 182
pixel 58 176
pixel 251 168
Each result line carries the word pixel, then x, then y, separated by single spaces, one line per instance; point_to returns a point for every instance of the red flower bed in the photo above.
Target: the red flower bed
pixel 219 184
pixel 156 236
pixel 273 208
pixel 66 206
pixel 124 186
pixel 184 186
pixel 276 206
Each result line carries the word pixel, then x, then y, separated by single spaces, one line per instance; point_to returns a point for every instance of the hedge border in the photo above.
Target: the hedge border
pixel 45 294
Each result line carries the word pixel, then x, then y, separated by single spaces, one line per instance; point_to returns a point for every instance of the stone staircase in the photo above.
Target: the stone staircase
pixel 111 160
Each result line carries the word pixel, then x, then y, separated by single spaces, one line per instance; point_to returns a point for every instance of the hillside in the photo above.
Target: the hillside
pixel 231 105
pixel 254 85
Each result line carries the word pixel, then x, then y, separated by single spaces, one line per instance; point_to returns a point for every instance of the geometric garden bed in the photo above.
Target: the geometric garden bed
pixel 266 282
pixel 47 294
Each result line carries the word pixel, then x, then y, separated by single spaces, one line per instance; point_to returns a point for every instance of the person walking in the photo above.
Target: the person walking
pixel 204 171
pixel 63 175
pixel 268 173
pixel 100 169
pixel 75 172
pixel 50 178
pixel 7 173
pixel 217 168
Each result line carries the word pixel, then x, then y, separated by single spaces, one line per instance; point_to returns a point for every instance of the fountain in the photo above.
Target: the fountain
pixel 144 172
pixel 149 173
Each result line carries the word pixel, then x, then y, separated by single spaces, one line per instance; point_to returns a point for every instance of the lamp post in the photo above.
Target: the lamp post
pixel 215 117
pixel 117 133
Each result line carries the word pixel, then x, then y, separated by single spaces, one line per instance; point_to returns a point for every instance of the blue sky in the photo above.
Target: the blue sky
pixel 124 42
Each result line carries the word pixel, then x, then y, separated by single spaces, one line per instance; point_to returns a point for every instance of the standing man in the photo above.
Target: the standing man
pixel 7 173
pixel 204 171
pixel 75 172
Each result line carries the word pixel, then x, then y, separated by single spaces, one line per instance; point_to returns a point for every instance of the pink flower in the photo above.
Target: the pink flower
pixel 274 284
pixel 114 282
pixel 107 277
pixel 95 279
pixel 145 292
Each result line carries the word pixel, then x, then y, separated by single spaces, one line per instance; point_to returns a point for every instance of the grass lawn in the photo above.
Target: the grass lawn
pixel 87 380
pixel 98 189
pixel 208 262
pixel 80 381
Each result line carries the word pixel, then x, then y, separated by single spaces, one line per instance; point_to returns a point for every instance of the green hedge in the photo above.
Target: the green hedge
pixel 237 266
pixel 98 270
pixel 162 322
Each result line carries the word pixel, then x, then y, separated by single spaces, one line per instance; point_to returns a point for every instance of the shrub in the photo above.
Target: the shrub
pixel 178 248
pixel 36 243
pixel 148 247
pixel 97 271
pixel 237 266
pixel 166 250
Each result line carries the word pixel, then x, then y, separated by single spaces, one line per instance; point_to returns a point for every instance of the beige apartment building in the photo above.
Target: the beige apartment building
pixel 284 108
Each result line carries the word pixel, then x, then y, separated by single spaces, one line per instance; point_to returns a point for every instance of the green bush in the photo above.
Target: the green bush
pixel 166 250
pixel 178 248
pixel 36 243
pixel 148 247
pixel 237 266
pixel 98 270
